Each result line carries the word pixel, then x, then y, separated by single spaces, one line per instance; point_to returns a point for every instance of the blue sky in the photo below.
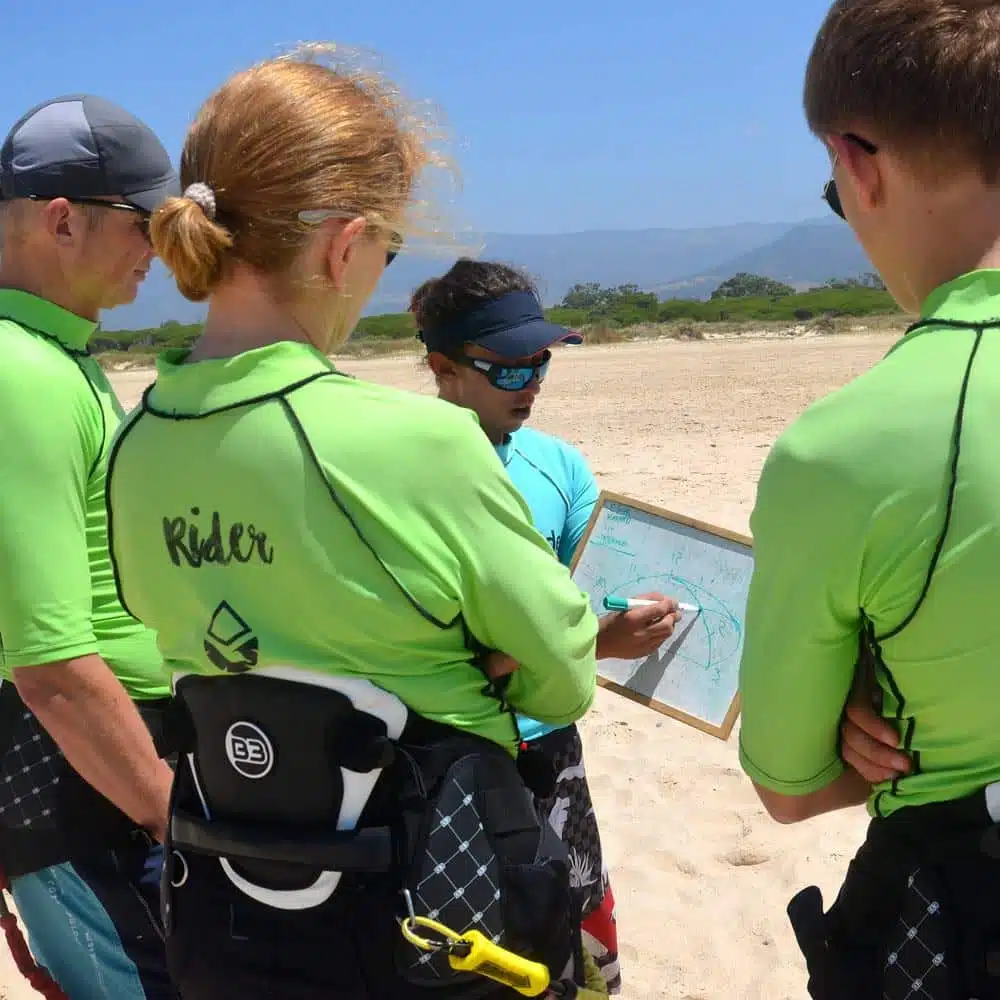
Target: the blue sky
pixel 566 116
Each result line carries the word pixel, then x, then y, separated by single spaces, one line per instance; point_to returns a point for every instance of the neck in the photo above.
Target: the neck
pixel 496 437
pixel 43 281
pixel 242 316
pixel 960 236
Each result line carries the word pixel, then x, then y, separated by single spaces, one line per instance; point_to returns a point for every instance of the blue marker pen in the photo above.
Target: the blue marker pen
pixel 629 603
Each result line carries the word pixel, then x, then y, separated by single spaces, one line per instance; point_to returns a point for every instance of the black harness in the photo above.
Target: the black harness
pixel 917 915
pixel 48 813
pixel 309 791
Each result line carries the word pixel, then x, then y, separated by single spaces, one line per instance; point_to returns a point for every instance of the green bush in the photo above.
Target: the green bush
pixel 574 318
pixel 744 285
pixel 388 326
pixel 169 334
pixel 835 302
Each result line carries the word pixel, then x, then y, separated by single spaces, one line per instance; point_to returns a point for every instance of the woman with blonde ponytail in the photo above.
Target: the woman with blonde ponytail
pixel 328 565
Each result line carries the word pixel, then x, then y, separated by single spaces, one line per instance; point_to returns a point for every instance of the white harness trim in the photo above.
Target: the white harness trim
pixel 365 697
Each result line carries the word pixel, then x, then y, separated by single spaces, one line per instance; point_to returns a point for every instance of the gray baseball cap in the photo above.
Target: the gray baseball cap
pixel 81 146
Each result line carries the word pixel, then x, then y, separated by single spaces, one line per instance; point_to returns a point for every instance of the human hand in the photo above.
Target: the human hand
pixel 157 820
pixel 869 744
pixel 500 665
pixel 632 635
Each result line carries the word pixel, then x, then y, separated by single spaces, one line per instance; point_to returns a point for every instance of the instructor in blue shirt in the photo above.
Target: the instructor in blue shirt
pixel 489 347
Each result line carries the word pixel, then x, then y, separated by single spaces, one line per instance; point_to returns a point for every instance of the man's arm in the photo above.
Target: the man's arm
pixel 801 643
pixel 850 789
pixel 99 730
pixel 51 438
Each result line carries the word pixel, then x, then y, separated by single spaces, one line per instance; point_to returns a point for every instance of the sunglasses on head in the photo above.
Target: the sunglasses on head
pixel 314 216
pixel 509 378
pixel 395 245
pixel 830 193
pixel 120 206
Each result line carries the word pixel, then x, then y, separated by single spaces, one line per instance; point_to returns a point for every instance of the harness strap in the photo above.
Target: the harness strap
pixel 72 819
pixel 368 849
pixel 508 812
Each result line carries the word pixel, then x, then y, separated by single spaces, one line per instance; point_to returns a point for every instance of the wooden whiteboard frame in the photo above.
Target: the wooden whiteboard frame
pixel 606 496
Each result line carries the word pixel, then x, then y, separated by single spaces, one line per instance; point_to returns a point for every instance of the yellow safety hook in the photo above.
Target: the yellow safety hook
pixel 472 951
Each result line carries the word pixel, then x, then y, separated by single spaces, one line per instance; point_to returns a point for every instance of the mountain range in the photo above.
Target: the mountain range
pixel 674 263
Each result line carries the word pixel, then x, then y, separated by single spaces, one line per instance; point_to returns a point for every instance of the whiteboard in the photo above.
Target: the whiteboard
pixel 631 548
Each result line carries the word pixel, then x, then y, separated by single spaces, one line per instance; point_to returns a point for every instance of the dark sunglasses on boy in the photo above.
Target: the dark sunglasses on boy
pixel 509 378
pixel 830 193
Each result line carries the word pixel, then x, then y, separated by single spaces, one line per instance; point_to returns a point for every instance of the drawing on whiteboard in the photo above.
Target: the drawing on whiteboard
pixel 631 551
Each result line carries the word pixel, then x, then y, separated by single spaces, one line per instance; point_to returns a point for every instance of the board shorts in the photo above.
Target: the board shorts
pixel 94 924
pixel 570 813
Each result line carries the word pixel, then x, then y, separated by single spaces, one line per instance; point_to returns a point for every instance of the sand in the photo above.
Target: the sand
pixel 701 875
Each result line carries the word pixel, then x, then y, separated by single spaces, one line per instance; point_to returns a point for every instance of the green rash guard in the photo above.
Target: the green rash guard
pixel 850 507
pixel 269 511
pixel 57 588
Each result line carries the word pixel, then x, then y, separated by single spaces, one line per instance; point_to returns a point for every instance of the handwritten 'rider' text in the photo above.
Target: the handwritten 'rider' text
pixel 186 542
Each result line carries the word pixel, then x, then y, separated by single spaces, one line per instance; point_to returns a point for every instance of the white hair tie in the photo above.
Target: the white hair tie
pixel 203 196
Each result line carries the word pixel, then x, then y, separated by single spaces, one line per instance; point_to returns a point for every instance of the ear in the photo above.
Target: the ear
pixel 341 248
pixel 441 366
pixel 60 221
pixel 859 169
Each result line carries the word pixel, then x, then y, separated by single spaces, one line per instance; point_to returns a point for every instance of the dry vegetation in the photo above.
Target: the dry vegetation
pixel 683 331
pixel 597 334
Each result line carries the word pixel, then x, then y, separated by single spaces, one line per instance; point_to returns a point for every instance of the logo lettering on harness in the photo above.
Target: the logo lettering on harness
pixel 249 750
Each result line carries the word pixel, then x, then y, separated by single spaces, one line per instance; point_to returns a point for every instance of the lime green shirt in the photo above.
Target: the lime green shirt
pixel 270 511
pixel 850 506
pixel 57 417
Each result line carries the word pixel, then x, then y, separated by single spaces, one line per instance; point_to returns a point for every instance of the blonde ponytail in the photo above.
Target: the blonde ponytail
pixel 189 241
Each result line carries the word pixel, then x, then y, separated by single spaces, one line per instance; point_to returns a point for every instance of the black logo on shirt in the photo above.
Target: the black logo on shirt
pixel 229 641
pixel 553 539
pixel 242 542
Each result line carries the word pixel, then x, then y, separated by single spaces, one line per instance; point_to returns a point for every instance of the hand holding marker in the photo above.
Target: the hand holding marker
pixel 628 603
pixel 641 627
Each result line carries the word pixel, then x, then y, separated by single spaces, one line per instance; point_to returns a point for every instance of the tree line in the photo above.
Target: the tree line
pixel 741 298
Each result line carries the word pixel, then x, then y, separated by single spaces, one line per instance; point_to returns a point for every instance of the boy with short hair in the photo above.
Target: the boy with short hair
pixel 877 522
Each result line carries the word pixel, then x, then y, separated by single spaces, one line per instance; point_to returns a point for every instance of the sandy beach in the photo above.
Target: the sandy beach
pixel 700 873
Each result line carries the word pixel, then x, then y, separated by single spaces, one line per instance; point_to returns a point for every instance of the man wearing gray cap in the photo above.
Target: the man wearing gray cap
pixel 83 690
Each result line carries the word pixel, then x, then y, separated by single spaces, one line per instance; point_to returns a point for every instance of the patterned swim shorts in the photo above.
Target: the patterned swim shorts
pixel 570 812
